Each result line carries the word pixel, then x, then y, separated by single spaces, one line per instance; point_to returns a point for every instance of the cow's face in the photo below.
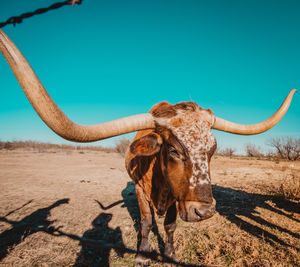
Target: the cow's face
pixel 184 143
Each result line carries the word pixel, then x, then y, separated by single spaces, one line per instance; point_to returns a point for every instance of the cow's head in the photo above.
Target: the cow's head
pixel 185 145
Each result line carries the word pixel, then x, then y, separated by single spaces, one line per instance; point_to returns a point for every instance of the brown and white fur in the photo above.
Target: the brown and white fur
pixel 170 166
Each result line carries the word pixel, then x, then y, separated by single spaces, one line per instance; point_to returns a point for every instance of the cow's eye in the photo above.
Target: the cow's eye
pixel 173 152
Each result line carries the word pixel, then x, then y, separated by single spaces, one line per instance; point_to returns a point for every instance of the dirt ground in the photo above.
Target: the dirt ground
pixel 78 208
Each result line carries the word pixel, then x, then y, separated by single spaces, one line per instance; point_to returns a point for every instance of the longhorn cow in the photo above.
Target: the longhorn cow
pixel 169 158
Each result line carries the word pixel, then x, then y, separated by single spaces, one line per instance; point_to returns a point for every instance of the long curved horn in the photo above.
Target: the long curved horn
pixel 52 115
pixel 231 127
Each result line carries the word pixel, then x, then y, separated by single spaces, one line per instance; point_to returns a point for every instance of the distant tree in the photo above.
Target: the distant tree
pixel 253 151
pixel 286 147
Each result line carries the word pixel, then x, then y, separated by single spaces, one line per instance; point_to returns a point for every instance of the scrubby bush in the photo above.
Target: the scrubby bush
pixel 227 152
pixel 8 146
pixel 289 188
pixel 253 151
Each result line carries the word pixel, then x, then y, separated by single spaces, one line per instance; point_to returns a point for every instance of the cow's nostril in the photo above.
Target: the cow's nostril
pixel 200 213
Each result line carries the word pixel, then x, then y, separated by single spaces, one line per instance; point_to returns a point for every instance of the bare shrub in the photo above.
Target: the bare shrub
pixel 286 147
pixel 289 188
pixel 122 145
pixel 253 151
pixel 8 146
pixel 228 152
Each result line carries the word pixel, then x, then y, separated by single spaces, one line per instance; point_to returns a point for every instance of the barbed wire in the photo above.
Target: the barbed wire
pixel 19 19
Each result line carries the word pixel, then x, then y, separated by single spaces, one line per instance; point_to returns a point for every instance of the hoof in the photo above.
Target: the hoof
pixel 140 261
pixel 169 251
pixel 169 254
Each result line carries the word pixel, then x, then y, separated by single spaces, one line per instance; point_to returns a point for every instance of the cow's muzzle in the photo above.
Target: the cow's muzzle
pixel 193 211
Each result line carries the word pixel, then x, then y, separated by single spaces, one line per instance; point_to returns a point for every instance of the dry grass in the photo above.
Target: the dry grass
pixel 47 211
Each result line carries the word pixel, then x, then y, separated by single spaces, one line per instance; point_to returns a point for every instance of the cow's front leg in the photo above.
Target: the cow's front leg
pixel 145 227
pixel 170 226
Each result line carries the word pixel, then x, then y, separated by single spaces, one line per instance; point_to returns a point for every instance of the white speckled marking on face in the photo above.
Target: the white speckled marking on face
pixel 193 131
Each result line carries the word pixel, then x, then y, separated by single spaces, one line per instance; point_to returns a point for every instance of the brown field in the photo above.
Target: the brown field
pixel 50 213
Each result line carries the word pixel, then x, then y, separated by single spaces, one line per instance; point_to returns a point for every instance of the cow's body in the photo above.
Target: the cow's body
pixel 161 180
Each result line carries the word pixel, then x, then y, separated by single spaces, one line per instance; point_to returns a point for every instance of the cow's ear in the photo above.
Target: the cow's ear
pixel 147 145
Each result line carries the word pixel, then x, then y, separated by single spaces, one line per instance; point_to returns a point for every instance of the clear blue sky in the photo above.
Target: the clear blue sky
pixel 107 59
